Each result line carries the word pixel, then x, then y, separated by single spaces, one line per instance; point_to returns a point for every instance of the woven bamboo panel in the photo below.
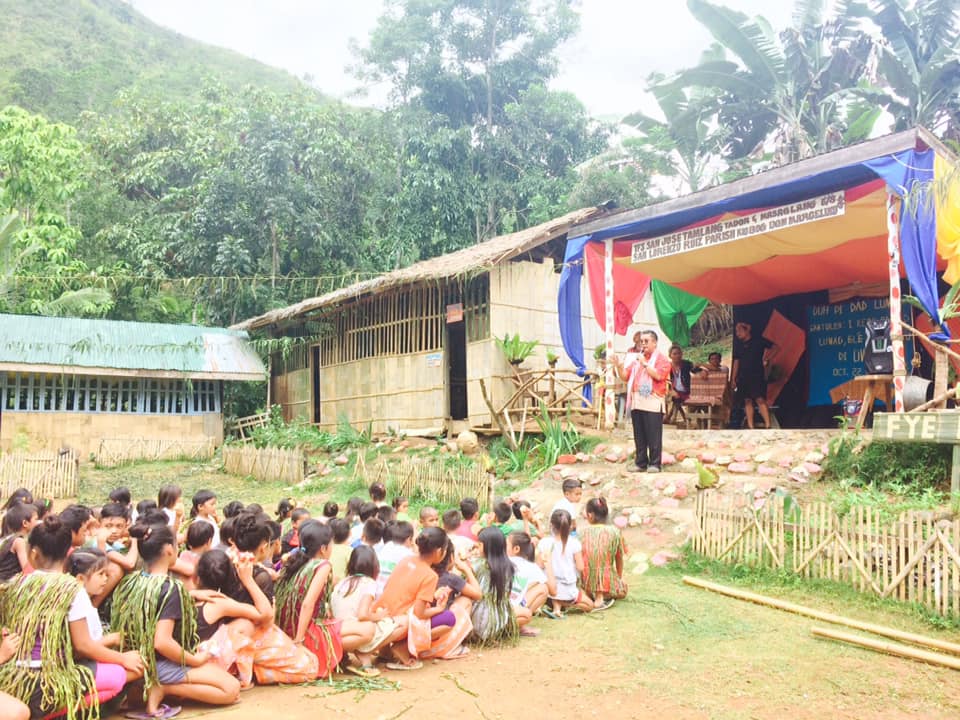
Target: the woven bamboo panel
pixel 915 559
pixel 46 475
pixel 447 484
pixel 123 451
pixel 268 464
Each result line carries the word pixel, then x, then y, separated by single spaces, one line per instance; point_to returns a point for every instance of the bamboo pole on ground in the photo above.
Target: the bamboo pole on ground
pixel 821 615
pixel 889 648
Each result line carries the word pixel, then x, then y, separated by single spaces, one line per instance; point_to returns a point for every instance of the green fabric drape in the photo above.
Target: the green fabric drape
pixel 677 311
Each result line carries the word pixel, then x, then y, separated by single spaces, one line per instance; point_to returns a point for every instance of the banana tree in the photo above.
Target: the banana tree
pixel 918 63
pixel 785 86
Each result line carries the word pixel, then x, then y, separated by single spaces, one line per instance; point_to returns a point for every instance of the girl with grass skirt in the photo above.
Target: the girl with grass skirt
pixel 58 669
pixel 603 553
pixel 155 615
pixel 495 619
pixel 303 608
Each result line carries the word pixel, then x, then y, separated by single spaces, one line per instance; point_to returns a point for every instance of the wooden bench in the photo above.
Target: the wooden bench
pixel 709 403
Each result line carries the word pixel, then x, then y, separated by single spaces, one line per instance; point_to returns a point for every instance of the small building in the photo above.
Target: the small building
pixel 407 350
pixel 68 382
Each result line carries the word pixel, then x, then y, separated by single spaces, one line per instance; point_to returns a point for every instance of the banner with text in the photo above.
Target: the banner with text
pixel 755 223
pixel 836 339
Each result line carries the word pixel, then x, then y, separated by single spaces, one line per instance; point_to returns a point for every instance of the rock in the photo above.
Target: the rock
pixel 582 457
pixel 669 503
pixel 609 488
pixel 468 443
pixel 566 473
pixel 742 457
pixel 634 520
pixel 452 446
pixel 660 483
pixel 444 449
pixel 592 480
pixel 681 491
pixel 767 470
pixel 662 558
pixel 681 456
pixel 667 459
pixel 740 467
pixel 762 457
pixel 724 460
pixel 786 462
pixel 600 449
pixel 799 474
pixel 612 457
pixel 621 522
pixel 566 459
pixel 688 463
pixel 653 532
pixel 707 458
pixel 587 476
pixel 669 490
pixel 812 468
pixel 759 493
pixel 813 456
pixel 325 471
pixel 341 460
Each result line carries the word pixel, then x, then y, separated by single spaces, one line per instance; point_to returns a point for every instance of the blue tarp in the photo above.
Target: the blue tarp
pixel 900 171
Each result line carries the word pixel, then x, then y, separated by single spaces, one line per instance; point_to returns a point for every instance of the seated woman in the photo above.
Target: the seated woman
pixel 433 630
pixel 242 635
pixel 303 601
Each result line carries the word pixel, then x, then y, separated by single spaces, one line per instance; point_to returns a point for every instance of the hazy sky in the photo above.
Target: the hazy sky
pixel 619 44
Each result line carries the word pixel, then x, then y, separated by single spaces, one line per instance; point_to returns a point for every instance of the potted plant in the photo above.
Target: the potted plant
pixel 552 358
pixel 515 349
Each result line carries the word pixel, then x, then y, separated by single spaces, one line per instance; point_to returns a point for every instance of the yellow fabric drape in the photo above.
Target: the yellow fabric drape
pixel 947 198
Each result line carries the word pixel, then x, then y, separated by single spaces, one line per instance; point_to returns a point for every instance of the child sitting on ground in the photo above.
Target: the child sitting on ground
pixel 199 541
pixel 603 553
pixel 469 512
pixel 570 502
pixel 402 507
pixel 429 517
pixel 340 555
pixel 20 519
pixel 562 562
pixel 291 541
pixel 451 525
pixel 330 511
pixel 399 546
pixel 529 589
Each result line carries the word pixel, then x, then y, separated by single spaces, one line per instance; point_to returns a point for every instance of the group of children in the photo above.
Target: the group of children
pixel 192 606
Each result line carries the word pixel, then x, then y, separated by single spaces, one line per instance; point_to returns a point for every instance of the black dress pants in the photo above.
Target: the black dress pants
pixel 647 437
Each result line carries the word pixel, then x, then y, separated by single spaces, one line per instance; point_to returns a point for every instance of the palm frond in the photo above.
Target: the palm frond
pixel 808 14
pixel 79 303
pixel 750 40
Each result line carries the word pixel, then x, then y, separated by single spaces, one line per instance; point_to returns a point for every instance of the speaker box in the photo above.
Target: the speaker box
pixel 878 352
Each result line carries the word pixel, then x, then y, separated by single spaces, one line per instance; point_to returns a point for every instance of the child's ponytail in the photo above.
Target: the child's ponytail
pixel 599 509
pixel 561 521
pixel 313 536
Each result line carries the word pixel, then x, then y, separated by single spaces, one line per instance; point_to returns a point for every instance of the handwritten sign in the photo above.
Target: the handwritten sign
pixel 931 427
pixel 836 340
pixel 757 223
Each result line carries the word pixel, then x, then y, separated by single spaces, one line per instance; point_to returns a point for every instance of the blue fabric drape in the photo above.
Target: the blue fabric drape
pixel 918 224
pixel 568 305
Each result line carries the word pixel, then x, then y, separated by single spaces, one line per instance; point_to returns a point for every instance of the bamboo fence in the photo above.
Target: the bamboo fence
pixel 916 558
pixel 46 475
pixel 123 451
pixel 269 464
pixel 448 484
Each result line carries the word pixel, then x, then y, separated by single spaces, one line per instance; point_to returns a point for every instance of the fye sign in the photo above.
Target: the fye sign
pixel 757 223
pixel 931 427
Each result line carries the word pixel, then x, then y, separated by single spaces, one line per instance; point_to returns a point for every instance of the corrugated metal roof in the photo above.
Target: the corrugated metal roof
pixel 71 345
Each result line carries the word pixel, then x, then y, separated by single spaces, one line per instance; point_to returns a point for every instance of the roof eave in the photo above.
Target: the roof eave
pixel 130 372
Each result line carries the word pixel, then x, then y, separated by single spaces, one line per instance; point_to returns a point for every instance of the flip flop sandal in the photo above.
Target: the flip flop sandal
pixel 364 671
pixel 550 613
pixel 164 712
pixel 461 652
pixel 400 666
pixel 529 632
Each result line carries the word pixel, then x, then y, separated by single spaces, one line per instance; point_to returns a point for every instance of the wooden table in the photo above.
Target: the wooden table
pixel 868 388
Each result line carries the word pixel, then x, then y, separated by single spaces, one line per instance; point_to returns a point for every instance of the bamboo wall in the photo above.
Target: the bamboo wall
pixel 83 432
pixel 385 365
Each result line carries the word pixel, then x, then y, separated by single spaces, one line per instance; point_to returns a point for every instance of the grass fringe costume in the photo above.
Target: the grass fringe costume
pixel 602 544
pixel 37 606
pixel 137 603
pixel 494 623
pixel 323 634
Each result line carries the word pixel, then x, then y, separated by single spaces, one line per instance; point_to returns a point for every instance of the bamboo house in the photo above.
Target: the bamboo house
pixel 407 350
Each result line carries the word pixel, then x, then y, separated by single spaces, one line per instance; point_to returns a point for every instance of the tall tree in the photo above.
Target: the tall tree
pixel 467 61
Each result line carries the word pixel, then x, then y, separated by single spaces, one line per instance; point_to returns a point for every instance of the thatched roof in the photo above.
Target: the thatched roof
pixel 470 260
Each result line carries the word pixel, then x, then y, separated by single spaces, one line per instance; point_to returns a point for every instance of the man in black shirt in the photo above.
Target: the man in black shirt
pixel 749 375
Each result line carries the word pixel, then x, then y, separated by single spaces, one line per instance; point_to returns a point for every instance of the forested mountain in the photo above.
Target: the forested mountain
pixel 61 57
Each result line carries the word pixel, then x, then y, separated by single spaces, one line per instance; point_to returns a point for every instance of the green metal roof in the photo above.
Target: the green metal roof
pixel 75 345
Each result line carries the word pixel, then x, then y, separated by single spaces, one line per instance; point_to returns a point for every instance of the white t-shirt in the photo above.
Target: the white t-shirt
pixel 345 607
pixel 82 609
pixel 171 516
pixel 564 504
pixel 525 575
pixel 564 565
pixel 389 555
pixel 461 543
pixel 216 529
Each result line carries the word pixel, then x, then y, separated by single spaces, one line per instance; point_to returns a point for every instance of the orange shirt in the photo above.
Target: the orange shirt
pixel 411 580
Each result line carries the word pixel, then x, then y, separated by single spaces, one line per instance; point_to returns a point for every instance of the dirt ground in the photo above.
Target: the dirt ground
pixel 668 650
